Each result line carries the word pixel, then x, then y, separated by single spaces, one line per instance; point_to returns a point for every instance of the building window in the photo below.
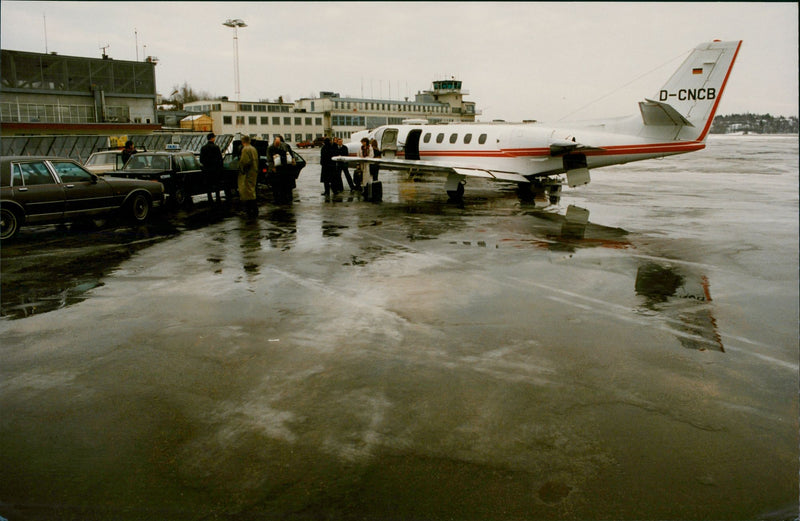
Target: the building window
pixel 287 121
pixel 482 139
pixel 298 138
pixel 245 108
pixel 318 121
pixel 427 138
pixel 467 138
pixel 439 138
pixel 276 120
pixel 227 120
pixel 453 138
pixel 240 120
pixel 252 120
pixel 259 108
pixel 308 121
pixel 264 120
pixel 298 121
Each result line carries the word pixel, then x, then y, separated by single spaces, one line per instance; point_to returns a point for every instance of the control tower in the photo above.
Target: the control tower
pixel 449 92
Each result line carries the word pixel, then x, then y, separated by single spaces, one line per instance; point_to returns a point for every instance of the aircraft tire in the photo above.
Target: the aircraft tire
pixel 456 195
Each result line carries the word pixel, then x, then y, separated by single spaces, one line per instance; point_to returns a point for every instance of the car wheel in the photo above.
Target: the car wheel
pixel 9 223
pixel 179 196
pixel 140 208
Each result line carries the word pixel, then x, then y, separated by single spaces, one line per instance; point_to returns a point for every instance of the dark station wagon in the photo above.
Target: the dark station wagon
pixel 46 190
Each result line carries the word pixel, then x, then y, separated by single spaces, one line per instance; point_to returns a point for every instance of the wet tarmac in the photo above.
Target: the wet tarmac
pixel 630 353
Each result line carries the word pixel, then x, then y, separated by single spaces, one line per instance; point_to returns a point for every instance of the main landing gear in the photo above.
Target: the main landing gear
pixel 455 187
pixel 538 190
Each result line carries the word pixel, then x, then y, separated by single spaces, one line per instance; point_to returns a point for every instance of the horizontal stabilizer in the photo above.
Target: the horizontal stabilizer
pixel 659 114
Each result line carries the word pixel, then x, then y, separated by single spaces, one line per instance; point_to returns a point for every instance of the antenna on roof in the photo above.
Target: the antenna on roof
pixel 44 21
pixel 104 47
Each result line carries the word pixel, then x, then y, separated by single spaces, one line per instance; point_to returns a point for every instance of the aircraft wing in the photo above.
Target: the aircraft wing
pixel 561 148
pixel 414 165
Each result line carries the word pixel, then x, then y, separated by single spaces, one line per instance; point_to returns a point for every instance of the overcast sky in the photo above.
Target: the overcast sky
pixel 544 61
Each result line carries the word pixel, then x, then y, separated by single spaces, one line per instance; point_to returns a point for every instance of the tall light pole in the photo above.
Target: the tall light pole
pixel 235 23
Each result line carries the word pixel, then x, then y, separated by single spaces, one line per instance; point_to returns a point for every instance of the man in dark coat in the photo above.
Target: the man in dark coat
pixel 328 167
pixel 281 166
pixel 211 159
pixel 128 151
pixel 344 151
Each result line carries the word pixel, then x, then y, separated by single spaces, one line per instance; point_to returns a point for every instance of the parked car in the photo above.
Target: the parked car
pixel 180 172
pixel 43 189
pixel 230 162
pixel 104 162
pixel 318 142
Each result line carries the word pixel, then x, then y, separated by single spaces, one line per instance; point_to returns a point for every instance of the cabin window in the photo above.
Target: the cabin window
pixel 439 138
pixel 482 139
pixel 467 138
pixel 453 138
pixel 427 138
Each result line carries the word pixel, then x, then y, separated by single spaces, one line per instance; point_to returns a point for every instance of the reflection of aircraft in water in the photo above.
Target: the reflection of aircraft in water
pixel 675 121
pixel 568 232
pixel 684 297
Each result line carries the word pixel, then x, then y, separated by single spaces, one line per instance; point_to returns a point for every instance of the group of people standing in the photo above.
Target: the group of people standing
pixel 331 171
pixel 280 172
pixel 280 163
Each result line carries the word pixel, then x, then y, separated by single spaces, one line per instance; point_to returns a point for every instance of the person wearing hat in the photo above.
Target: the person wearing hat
pixel 211 159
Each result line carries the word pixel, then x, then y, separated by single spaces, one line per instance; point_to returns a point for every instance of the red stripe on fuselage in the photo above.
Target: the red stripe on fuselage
pixel 613 150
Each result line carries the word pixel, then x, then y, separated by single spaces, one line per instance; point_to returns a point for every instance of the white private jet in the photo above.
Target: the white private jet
pixel 675 121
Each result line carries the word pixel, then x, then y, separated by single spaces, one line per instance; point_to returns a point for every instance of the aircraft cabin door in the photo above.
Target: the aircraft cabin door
pixel 412 144
pixel 389 143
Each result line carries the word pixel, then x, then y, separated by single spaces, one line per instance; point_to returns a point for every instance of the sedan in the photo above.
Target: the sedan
pixel 105 161
pixel 44 190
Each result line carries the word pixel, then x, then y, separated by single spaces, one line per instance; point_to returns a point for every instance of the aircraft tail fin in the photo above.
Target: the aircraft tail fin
pixel 690 97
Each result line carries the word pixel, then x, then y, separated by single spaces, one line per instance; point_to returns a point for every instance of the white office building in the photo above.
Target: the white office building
pixel 332 115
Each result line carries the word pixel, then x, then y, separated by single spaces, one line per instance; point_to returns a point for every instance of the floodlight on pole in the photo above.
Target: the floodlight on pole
pixel 235 24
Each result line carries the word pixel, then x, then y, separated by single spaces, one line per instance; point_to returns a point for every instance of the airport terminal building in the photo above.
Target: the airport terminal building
pixel 48 94
pixel 333 115
pixel 54 94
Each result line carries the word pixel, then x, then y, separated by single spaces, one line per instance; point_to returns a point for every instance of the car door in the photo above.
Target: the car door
pixel 36 189
pixel 84 193
pixel 192 173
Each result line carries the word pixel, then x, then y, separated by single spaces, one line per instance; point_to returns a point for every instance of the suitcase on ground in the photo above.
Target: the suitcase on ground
pixel 373 191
